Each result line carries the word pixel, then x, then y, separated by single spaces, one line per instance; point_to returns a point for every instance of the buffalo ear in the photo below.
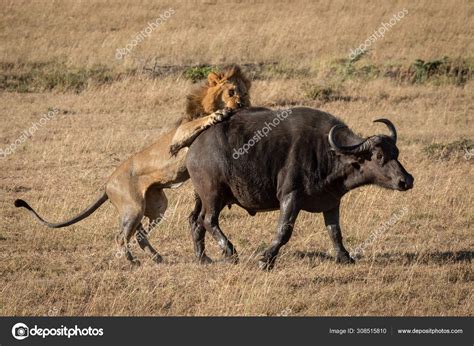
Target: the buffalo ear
pixel 213 78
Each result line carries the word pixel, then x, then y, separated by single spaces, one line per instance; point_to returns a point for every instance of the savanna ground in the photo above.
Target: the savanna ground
pixel 62 55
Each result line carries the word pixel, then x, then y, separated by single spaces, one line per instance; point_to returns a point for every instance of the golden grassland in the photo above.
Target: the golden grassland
pixel 88 32
pixel 420 266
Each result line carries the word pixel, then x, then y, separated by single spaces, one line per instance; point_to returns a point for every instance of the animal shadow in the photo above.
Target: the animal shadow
pixel 403 258
pixel 436 257
pixel 313 256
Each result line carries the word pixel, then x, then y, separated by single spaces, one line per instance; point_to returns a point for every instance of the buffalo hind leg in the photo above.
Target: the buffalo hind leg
pixel 198 233
pixel 210 220
pixel 331 219
pixel 288 212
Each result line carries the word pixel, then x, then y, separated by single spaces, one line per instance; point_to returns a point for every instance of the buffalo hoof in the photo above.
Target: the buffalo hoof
pixel 135 263
pixel 204 259
pixel 157 259
pixel 234 259
pixel 266 265
pixel 344 259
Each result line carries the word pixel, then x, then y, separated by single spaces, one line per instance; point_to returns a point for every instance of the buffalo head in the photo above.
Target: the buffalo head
pixel 374 160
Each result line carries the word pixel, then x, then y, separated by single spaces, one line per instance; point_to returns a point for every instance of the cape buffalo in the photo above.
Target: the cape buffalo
pixel 298 159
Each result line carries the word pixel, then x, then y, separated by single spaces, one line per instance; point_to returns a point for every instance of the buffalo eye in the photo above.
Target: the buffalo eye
pixel 379 156
pixel 231 92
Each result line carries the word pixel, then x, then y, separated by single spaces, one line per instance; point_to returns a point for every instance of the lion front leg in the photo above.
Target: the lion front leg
pixel 186 133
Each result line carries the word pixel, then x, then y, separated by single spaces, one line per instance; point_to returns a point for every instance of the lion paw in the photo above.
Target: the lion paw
pixel 174 149
pixel 222 114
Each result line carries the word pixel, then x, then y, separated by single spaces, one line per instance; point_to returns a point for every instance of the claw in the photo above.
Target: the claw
pixel 174 149
pixel 227 112
pixel 223 114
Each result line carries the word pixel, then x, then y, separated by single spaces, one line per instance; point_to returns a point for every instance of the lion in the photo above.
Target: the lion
pixel 136 187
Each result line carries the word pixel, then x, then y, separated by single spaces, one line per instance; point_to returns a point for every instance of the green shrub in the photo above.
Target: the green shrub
pixel 440 71
pixel 423 70
pixel 324 93
pixel 197 73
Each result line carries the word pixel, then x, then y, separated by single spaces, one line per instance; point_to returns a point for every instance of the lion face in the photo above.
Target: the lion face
pixel 229 89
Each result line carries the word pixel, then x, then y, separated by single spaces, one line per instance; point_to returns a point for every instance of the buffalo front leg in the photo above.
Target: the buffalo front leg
pixel 331 219
pixel 288 212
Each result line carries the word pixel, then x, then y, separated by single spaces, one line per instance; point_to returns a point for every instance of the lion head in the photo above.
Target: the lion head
pixel 229 89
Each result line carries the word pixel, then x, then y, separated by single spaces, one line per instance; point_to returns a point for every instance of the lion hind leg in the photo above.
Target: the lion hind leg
pixel 142 239
pixel 156 204
pixel 125 196
pixel 129 223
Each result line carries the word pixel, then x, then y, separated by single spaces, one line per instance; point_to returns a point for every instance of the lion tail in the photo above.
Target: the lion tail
pixel 19 203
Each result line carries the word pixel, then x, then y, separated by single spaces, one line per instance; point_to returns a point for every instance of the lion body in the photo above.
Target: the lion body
pixel 136 187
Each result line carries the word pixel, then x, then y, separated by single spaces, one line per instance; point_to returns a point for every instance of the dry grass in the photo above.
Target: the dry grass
pixel 421 266
pixel 86 32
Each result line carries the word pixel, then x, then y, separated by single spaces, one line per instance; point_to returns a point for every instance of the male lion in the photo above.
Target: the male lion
pixel 136 186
